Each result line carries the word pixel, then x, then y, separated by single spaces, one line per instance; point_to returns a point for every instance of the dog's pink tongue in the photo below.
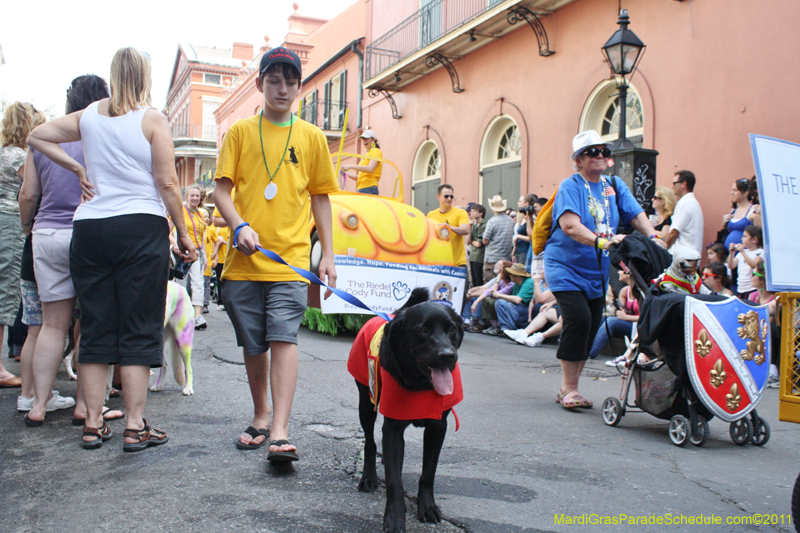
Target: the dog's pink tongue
pixel 442 381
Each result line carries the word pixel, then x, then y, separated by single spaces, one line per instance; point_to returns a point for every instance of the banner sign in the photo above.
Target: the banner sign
pixel 386 286
pixel 777 165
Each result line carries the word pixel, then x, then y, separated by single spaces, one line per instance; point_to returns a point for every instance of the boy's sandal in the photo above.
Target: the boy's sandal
pixel 254 433
pixel 100 436
pixel 281 456
pixel 145 437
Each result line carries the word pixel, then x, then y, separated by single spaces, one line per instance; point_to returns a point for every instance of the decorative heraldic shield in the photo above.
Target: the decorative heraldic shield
pixel 727 354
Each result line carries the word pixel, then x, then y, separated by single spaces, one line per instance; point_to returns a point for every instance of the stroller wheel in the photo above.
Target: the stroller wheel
pixel 796 502
pixel 612 411
pixel 702 432
pixel 741 431
pixel 761 432
pixel 679 430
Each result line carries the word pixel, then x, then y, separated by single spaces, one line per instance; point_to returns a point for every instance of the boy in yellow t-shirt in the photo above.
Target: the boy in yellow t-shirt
pixel 369 169
pixel 281 169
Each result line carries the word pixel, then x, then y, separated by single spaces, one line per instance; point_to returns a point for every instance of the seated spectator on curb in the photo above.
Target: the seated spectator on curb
pixel 625 317
pixel 487 321
pixel 541 294
pixel 715 276
pixel 473 317
pixel 497 237
pixel 512 309
pixel 533 335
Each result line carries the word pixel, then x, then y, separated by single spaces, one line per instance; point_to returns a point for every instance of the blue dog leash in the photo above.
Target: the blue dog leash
pixel 347 297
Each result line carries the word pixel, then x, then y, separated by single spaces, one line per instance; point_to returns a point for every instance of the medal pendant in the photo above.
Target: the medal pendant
pixel 270 191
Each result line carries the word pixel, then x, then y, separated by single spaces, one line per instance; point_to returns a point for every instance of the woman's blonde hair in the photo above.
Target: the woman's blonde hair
pixel 130 81
pixel 668 197
pixel 18 122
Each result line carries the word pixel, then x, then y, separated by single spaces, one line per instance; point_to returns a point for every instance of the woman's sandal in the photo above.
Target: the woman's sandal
pixel 145 437
pixel 101 435
pixel 568 403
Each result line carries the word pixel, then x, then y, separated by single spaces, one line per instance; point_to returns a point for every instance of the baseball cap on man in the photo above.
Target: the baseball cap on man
pixel 279 55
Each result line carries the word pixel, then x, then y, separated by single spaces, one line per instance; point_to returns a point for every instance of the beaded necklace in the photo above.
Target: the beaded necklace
pixel 272 189
pixel 596 210
pixel 194 228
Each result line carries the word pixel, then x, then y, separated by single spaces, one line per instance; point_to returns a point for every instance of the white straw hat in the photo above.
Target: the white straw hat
pixel 584 140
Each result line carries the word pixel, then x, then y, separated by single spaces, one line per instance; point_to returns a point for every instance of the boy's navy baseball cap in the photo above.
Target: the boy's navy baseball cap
pixel 279 55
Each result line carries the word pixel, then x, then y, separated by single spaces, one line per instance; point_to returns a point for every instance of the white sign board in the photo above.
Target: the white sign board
pixel 386 286
pixel 777 165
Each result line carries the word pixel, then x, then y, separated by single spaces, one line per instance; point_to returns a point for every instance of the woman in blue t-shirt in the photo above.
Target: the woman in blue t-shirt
pixel 587 210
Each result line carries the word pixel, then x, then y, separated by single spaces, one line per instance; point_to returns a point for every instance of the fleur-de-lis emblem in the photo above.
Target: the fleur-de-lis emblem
pixel 718 374
pixel 755 336
pixel 733 399
pixel 703 345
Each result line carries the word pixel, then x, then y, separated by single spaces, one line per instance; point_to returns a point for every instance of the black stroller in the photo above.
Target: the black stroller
pixel 663 381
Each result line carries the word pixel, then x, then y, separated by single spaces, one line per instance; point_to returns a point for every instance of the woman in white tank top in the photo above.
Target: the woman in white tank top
pixel 119 255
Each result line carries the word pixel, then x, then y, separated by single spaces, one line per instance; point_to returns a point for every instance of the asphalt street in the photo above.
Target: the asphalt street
pixel 517 464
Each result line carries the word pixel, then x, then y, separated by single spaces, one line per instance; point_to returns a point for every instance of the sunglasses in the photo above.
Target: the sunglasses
pixel 707 275
pixel 676 182
pixel 448 196
pixel 594 152
pixel 657 198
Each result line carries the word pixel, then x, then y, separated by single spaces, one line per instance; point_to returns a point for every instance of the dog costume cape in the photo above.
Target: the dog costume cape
pixel 395 401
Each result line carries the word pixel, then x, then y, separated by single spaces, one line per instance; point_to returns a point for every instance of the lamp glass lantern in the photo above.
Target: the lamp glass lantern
pixel 623 52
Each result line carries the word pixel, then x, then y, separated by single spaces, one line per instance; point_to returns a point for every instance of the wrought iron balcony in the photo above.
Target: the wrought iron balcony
pixel 194 131
pixel 446 30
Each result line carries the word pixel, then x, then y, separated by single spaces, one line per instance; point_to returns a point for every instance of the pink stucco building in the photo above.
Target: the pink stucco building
pixel 487 94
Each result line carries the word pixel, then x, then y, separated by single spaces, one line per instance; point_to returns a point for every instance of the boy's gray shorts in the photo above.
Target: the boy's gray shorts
pixel 264 311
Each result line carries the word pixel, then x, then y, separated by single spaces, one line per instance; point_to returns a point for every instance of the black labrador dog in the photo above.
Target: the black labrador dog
pixel 419 350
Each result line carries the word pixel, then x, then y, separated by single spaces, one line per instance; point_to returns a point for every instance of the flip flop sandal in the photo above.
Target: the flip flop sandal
pixel 253 432
pixel 146 437
pixel 101 435
pixel 282 457
pixel 33 423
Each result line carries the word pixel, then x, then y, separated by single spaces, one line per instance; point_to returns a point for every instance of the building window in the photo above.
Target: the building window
pixel 601 113
pixel 309 113
pixel 510 144
pixel 501 143
pixel 434 165
pixel 213 79
pixel 335 102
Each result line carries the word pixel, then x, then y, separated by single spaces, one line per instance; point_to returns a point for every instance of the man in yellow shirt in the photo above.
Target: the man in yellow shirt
pixel 454 218
pixel 281 169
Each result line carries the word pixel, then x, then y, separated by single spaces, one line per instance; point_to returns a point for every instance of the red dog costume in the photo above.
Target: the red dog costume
pixel 395 401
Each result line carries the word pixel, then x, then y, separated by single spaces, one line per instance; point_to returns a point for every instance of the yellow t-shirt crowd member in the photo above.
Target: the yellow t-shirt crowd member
pixel 370 179
pixel 195 225
pixel 212 234
pixel 455 217
pixel 282 223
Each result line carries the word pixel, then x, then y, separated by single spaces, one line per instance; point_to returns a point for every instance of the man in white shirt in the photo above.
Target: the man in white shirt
pixel 687 221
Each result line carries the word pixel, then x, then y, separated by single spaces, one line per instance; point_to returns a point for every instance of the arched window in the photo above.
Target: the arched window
pixel 426 176
pixel 510 145
pixel 601 113
pixel 501 160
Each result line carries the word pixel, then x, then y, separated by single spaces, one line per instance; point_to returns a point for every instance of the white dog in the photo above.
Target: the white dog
pixel 178 336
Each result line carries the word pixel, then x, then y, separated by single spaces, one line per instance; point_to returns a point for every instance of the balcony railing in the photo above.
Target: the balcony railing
pixel 194 131
pixel 325 114
pixel 419 30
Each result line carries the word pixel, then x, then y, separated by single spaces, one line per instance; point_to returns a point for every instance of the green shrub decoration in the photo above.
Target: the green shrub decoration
pixel 332 325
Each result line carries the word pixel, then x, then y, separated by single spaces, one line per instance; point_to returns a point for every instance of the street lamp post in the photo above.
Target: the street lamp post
pixel 623 52
pixel 637 166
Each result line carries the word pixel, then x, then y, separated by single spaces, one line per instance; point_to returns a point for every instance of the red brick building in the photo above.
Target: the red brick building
pixel 199 76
